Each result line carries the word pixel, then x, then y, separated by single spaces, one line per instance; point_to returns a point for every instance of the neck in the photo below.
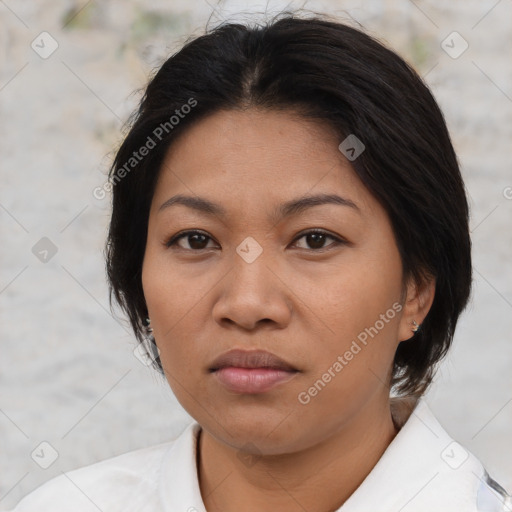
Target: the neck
pixel 318 479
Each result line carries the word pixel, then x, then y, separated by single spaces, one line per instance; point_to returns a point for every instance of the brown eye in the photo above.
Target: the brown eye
pixel 316 239
pixel 196 240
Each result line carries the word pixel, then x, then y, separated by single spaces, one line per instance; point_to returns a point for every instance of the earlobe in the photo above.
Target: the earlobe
pixel 417 304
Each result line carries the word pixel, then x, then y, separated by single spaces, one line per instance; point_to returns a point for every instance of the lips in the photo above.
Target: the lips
pixel 250 359
pixel 251 372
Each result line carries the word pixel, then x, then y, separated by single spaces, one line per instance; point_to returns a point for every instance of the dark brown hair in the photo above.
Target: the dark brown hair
pixel 328 71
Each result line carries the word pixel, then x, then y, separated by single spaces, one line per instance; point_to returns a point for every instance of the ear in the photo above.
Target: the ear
pixel 419 297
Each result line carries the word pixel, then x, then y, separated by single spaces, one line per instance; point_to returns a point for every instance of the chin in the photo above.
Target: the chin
pixel 271 432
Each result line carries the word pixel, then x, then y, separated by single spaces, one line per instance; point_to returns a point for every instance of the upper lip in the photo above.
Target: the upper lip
pixel 250 359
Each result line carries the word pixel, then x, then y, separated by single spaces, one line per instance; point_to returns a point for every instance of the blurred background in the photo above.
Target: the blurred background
pixel 73 387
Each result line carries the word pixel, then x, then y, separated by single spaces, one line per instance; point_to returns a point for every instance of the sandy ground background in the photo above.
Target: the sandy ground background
pixel 68 373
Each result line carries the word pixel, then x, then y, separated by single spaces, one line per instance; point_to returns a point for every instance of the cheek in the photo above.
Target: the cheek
pixel 357 292
pixel 176 305
pixel 362 312
pixel 360 304
pixel 168 293
pixel 165 297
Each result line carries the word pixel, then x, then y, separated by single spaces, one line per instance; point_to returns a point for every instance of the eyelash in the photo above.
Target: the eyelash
pixel 337 241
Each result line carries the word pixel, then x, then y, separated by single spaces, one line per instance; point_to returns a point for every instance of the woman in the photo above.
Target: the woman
pixel 289 238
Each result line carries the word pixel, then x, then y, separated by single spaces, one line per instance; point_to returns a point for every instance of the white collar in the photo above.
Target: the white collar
pixel 422 470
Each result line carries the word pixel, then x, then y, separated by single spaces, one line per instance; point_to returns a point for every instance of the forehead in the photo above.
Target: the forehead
pixel 256 157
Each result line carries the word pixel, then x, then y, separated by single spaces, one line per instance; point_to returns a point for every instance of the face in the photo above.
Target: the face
pixel 254 275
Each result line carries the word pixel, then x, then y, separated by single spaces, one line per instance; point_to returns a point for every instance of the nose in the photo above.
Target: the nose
pixel 251 294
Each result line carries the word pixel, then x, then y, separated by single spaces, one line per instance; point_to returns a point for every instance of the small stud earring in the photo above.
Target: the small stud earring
pixel 148 321
pixel 415 326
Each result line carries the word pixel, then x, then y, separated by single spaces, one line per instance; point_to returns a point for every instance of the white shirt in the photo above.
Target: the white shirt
pixel 422 470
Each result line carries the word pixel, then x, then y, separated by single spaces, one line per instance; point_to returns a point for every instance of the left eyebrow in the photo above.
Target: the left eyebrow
pixel 301 204
pixel 292 207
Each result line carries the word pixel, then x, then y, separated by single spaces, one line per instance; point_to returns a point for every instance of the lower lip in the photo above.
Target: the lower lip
pixel 252 380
